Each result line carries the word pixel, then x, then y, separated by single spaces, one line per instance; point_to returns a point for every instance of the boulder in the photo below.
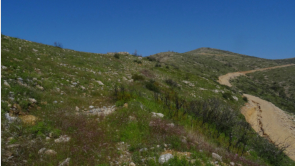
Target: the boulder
pixel 62 138
pixel 157 115
pixel 6 84
pixel 165 157
pixel 50 152
pixel 125 105
pixel 216 157
pixel 29 119
pixel 65 162
pixel 100 83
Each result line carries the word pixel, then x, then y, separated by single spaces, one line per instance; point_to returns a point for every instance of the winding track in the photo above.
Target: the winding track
pixel 265 118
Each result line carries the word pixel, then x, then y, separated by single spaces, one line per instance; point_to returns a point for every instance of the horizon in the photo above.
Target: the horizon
pixel 262 29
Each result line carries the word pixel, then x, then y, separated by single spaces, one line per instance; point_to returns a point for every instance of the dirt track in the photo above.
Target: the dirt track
pixel 224 79
pixel 265 118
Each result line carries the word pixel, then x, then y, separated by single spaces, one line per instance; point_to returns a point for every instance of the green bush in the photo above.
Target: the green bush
pixel 245 99
pixel 137 61
pixel 227 96
pixel 158 65
pixel 152 85
pixel 117 56
pixel 137 77
pixel 119 103
pixel 171 82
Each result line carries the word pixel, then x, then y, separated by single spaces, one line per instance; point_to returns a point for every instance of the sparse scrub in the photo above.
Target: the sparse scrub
pixel 171 82
pixel 137 77
pixel 117 55
pixel 152 85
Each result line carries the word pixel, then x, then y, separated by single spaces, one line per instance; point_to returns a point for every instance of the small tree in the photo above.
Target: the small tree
pixel 57 44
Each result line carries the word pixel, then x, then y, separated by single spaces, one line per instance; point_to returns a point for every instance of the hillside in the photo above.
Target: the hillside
pixel 212 63
pixel 60 106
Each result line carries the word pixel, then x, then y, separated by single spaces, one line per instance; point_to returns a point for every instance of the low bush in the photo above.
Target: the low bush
pixel 171 82
pixel 245 99
pixel 137 61
pixel 137 77
pixel 227 96
pixel 151 58
pixel 152 85
pixel 117 56
pixel 158 65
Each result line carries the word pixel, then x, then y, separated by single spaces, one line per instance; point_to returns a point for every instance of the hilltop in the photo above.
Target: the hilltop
pixel 62 106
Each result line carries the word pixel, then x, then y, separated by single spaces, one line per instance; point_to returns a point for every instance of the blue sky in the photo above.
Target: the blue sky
pixel 261 28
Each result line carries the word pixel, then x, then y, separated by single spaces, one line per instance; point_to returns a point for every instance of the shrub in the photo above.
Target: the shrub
pixel 171 82
pixel 227 96
pixel 158 65
pixel 117 56
pixel 151 85
pixel 245 99
pixel 151 58
pixel 137 61
pixel 137 77
pixel 57 44
pixel 119 103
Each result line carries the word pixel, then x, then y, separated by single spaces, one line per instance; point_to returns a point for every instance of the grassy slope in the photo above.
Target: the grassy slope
pixel 212 63
pixel 69 79
pixel 276 86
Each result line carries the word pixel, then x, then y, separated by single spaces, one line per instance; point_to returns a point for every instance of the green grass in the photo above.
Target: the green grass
pixel 69 79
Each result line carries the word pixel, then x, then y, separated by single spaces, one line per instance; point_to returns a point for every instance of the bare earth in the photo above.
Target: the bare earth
pixel 265 118
pixel 224 79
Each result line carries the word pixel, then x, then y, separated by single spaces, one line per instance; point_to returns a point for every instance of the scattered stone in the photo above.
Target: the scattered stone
pixel 91 107
pixel 232 163
pixel 38 59
pixel 170 125
pixel 132 164
pixel 10 118
pixel 82 87
pixel 132 118
pixel 62 138
pixel 13 146
pixel 235 97
pixel 32 100
pixel 41 150
pixel 99 82
pixel 55 102
pixel 35 50
pixel 6 84
pixel 39 87
pixel 50 152
pixel 28 119
pixel 188 83
pixel 3 67
pixel 215 91
pixel 77 108
pixel 157 115
pixel 47 138
pixel 125 105
pixel 65 162
pixel 124 78
pixel 165 157
pixel 216 156
pixel 143 149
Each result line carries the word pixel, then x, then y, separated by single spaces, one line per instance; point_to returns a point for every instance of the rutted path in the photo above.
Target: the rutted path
pixel 224 79
pixel 265 118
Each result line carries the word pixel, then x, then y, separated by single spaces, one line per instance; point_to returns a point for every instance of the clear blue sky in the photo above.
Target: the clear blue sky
pixel 262 28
